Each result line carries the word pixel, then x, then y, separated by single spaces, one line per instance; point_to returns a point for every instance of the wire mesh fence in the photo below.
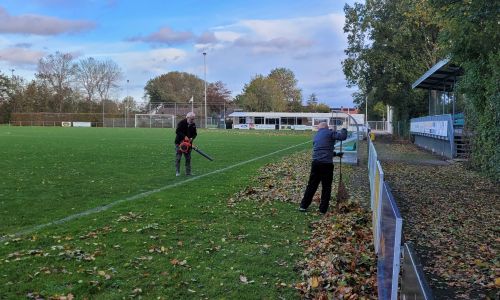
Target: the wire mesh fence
pixel 150 115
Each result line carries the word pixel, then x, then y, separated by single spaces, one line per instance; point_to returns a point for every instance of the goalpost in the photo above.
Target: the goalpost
pixel 154 121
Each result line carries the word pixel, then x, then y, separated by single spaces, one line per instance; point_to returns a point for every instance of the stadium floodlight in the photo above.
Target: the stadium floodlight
pixel 126 106
pixel 205 79
pixel 154 121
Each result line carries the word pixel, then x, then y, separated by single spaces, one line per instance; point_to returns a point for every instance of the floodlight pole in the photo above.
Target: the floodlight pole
pixel 102 100
pixel 126 106
pixel 205 80
pixel 366 111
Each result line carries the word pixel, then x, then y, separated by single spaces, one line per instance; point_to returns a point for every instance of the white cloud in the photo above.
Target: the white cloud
pixel 227 36
pixel 207 38
pixel 311 47
pixel 166 36
pixel 296 28
pixel 21 56
pixel 40 25
pixel 274 45
pixel 155 61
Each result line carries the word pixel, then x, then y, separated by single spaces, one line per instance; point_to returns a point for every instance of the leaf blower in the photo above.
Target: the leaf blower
pixel 186 144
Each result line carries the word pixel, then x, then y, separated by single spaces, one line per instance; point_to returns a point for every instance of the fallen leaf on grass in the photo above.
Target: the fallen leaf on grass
pixel 243 279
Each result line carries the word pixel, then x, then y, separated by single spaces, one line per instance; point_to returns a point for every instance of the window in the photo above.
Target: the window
pixel 272 121
pixel 242 120
pixel 259 120
pixel 287 121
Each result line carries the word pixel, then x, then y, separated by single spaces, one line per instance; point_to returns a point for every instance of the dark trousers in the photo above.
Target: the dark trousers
pixel 178 156
pixel 320 172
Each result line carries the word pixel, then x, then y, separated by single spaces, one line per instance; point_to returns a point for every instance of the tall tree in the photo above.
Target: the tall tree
pixel 57 71
pixel 5 98
pixel 217 94
pixel 262 94
pixel 390 44
pixel 87 76
pixel 4 88
pixel 312 101
pixel 175 87
pixel 471 36
pixel 129 104
pixel 109 73
pixel 287 82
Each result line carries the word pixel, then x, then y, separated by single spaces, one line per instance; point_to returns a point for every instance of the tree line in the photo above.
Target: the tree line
pixel 63 85
pixel 392 43
pixel 277 91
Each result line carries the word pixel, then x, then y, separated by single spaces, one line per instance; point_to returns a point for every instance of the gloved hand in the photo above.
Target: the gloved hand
pixel 339 154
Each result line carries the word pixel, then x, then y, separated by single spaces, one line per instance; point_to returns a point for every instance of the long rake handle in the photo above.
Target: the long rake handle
pixel 340 161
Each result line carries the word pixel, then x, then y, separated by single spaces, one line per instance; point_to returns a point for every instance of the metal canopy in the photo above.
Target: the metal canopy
pixel 441 77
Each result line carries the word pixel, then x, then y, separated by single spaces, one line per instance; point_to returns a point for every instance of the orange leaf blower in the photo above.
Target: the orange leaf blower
pixel 186 145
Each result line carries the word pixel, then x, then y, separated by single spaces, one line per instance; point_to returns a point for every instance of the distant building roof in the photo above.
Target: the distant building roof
pixel 281 114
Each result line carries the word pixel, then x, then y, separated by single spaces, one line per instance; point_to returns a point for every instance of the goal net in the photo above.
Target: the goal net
pixel 154 121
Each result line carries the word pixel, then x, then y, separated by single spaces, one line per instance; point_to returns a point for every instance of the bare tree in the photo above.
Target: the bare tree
pixel 109 74
pixel 87 75
pixel 57 71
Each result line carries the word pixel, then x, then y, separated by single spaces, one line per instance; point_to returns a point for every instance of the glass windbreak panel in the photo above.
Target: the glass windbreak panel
pixel 336 121
pixel 441 103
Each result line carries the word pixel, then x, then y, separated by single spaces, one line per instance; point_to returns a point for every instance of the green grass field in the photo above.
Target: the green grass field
pixel 173 237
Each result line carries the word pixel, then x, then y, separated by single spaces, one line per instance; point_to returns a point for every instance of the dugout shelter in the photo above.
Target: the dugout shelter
pixel 442 131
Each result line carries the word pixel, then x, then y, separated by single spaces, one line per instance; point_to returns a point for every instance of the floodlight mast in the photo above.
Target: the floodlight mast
pixel 126 106
pixel 205 80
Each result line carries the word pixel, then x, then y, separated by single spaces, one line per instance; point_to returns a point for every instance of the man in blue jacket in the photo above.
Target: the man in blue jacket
pixel 322 166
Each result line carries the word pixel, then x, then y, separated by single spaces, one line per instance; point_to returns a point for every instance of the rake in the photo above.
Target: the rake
pixel 342 194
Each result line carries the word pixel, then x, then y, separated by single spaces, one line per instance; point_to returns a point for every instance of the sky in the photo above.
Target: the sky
pixel 148 38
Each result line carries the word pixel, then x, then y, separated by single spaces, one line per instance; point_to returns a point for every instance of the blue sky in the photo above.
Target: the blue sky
pixel 149 38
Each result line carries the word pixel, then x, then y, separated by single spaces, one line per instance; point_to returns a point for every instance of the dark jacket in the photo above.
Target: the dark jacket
pixel 324 142
pixel 185 129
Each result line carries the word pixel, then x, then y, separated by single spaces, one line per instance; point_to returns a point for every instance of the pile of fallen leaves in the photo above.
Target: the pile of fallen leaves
pixel 286 181
pixel 340 262
pixel 282 181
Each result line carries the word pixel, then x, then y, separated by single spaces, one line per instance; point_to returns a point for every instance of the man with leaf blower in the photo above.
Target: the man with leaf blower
pixel 322 166
pixel 185 132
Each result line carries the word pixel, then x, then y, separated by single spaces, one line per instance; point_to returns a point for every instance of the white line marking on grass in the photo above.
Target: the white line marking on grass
pixel 138 196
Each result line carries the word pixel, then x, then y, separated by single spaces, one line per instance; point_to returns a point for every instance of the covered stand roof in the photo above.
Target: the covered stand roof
pixel 441 77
